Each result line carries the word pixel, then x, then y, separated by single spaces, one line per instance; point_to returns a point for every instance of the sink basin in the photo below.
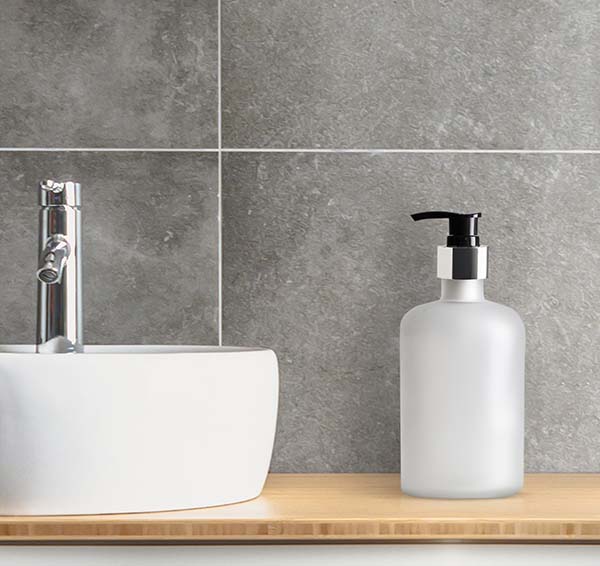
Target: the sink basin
pixel 120 429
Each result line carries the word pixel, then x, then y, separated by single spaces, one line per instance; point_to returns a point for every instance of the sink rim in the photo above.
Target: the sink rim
pixel 145 349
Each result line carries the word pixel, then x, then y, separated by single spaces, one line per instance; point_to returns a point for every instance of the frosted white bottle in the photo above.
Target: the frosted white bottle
pixel 461 381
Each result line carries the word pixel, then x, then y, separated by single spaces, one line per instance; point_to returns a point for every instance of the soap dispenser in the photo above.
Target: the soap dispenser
pixel 461 380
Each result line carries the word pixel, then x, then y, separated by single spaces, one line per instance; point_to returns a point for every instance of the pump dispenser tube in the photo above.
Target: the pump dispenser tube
pixel 461 380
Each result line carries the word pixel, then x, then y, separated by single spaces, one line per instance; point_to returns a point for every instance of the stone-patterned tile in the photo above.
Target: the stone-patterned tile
pixel 150 236
pixel 411 74
pixel 321 260
pixel 141 73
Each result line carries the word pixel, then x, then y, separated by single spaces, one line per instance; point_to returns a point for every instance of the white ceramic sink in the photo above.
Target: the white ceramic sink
pixel 122 429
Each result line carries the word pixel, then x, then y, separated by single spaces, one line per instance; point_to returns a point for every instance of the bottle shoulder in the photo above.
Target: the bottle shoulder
pixel 455 312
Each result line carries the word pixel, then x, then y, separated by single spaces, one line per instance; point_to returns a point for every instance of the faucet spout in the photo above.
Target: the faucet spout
pixel 53 259
pixel 59 321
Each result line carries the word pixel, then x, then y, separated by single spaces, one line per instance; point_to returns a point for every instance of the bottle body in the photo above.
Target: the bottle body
pixel 462 396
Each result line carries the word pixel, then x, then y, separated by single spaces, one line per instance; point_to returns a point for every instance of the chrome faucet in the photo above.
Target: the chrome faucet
pixel 59 319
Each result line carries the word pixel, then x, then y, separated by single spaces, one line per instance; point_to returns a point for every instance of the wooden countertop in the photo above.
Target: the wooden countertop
pixel 345 508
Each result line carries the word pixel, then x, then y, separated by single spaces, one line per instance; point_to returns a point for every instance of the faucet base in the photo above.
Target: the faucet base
pixel 59 345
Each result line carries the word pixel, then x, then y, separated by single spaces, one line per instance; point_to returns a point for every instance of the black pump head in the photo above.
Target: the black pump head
pixel 463 227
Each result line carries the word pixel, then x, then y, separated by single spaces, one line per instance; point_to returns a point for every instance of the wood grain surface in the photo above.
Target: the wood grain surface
pixel 345 508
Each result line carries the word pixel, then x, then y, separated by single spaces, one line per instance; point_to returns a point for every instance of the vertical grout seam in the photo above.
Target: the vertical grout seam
pixel 219 184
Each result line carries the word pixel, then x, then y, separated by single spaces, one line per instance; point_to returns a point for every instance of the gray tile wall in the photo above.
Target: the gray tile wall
pixel 150 244
pixel 322 260
pixel 99 74
pixel 319 259
pixel 411 74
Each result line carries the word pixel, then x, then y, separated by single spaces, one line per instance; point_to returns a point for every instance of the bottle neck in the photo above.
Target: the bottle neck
pixel 467 290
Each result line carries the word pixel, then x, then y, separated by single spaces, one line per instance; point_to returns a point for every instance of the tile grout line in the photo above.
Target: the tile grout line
pixel 110 149
pixel 219 150
pixel 219 185
pixel 424 150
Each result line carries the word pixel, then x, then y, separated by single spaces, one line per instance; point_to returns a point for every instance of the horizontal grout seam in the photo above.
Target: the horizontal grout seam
pixel 112 149
pixel 303 150
pixel 370 151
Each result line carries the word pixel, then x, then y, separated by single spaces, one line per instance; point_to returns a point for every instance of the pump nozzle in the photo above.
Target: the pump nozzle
pixel 462 257
pixel 463 227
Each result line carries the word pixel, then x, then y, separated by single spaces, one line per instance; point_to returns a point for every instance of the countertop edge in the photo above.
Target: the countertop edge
pixel 305 531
